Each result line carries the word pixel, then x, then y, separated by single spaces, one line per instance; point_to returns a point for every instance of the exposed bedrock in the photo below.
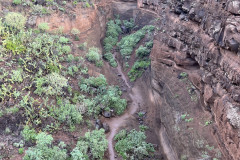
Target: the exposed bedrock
pixel 201 38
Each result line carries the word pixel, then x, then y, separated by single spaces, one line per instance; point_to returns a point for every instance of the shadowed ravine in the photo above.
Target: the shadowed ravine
pixel 117 122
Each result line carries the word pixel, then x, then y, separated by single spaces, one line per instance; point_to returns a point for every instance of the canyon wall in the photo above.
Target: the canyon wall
pixel 200 38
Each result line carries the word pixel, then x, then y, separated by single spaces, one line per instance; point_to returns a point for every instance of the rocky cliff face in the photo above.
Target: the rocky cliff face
pixel 201 38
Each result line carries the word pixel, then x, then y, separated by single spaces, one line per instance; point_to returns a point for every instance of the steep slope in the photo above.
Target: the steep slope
pixel 200 38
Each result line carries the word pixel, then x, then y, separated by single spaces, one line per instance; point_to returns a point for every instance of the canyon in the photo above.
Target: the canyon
pixel 190 93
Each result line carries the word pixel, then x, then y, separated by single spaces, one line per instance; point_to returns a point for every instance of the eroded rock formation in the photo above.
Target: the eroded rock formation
pixel 201 38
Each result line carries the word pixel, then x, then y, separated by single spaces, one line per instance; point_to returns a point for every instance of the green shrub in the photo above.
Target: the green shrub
pixel 93 55
pixel 127 43
pixel 45 150
pixel 12 110
pixel 112 99
pixel 15 20
pixel 17 75
pixel 129 24
pixel 95 82
pixel 91 107
pixel 99 63
pixel 51 84
pixel 68 113
pixel 149 44
pixel 132 145
pixel 109 57
pixel 55 83
pixel 87 5
pixel 63 40
pixel 113 31
pixel 17 2
pixel 21 150
pixel 75 31
pixel 44 46
pixel 138 69
pixel 66 49
pixel 28 134
pixel 106 97
pixel 83 46
pixel 14 43
pixel 70 71
pixel 39 10
pixel 91 146
pixel 142 51
pixel 43 26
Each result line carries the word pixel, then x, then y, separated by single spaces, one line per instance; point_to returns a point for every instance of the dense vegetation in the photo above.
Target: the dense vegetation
pixel 41 85
pixel 43 7
pixel 111 39
pixel 127 45
pixel 91 146
pixel 44 79
pixel 132 145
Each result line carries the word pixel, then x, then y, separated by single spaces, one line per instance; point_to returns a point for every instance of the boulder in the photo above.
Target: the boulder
pixel 233 45
pixel 234 7
pixel 106 127
pixel 107 114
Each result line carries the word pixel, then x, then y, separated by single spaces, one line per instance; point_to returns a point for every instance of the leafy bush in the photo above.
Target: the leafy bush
pixel 51 84
pixel 45 150
pixel 109 57
pixel 43 46
pixel 17 75
pixel 127 43
pixel 106 97
pixel 63 40
pixel 93 143
pixel 16 2
pixel 132 145
pixel 111 99
pixel 28 134
pixel 138 69
pixel 83 46
pixel 68 113
pixel 39 10
pixel 129 24
pixel 149 44
pixel 75 31
pixel 142 51
pixel 66 49
pixel 15 20
pixel 93 55
pixel 21 150
pixel 14 43
pixel 43 26
pixel 94 82
pixel 90 107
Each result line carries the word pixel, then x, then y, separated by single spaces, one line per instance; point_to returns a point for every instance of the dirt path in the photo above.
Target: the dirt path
pixel 116 122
